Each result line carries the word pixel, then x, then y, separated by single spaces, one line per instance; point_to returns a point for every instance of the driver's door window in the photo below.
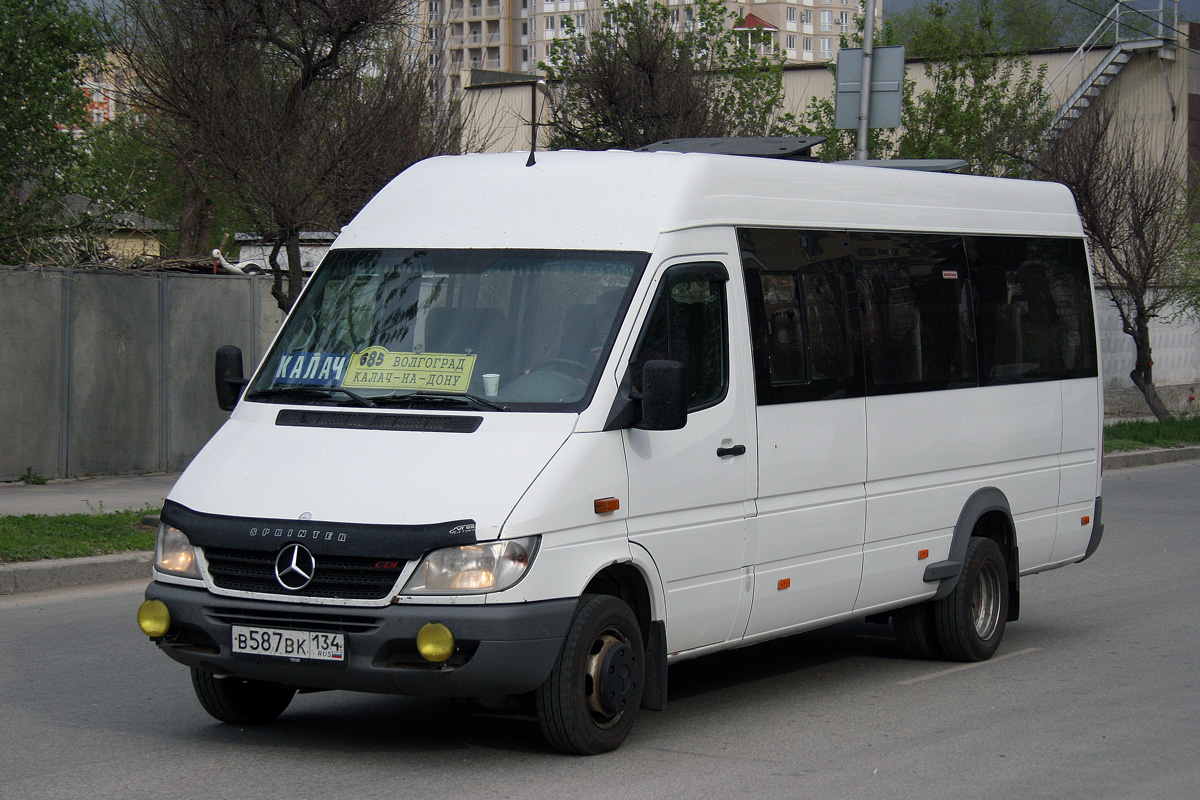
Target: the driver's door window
pixel 687 324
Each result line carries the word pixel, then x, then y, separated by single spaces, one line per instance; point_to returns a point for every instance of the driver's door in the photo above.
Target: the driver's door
pixel 691 490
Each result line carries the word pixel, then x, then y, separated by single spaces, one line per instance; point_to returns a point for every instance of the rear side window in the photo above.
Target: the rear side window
pixel 1034 309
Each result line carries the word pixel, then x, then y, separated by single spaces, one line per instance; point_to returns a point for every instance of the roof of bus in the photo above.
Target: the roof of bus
pixel 618 200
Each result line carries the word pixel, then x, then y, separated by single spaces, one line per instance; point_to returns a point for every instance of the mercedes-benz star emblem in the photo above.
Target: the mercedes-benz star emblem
pixel 294 567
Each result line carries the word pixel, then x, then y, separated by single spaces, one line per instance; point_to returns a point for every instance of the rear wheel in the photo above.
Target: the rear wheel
pixel 589 702
pixel 238 700
pixel 971 619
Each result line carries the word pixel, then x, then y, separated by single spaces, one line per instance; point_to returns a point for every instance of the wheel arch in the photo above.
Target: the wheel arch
pixel 635 583
pixel 625 581
pixel 986 513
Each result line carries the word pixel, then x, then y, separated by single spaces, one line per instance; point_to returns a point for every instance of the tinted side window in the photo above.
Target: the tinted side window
pixel 687 324
pixel 917 323
pixel 803 314
pixel 1034 309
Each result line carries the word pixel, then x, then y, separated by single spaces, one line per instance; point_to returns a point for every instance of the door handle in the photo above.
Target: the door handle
pixel 736 450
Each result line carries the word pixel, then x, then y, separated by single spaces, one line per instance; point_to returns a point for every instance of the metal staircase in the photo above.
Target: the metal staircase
pixel 1129 27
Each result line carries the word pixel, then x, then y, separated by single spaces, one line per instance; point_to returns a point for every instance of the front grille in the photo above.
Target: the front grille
pixel 339 577
pixel 294 620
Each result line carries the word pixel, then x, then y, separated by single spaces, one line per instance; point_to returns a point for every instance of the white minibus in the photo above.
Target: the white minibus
pixel 532 433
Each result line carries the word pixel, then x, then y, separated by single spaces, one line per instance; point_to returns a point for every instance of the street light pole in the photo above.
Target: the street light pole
pixel 864 98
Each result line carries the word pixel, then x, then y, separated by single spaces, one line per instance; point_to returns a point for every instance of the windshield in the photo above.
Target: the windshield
pixel 520 330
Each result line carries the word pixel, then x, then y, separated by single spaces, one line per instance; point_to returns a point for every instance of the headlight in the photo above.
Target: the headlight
pixel 174 554
pixel 473 568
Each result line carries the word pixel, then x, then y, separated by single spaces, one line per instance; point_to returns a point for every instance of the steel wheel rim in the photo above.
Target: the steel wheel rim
pixel 607 639
pixel 985 601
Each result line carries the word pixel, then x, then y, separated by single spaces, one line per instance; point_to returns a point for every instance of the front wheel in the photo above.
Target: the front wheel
pixel 971 619
pixel 589 702
pixel 238 700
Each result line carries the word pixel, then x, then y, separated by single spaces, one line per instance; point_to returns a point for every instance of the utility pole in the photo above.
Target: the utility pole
pixel 864 99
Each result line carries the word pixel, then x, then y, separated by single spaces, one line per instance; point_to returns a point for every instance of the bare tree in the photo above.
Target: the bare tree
pixel 299 109
pixel 1135 201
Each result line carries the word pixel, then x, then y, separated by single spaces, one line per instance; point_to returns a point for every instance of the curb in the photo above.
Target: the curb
pixel 1146 458
pixel 59 573
pixel 37 576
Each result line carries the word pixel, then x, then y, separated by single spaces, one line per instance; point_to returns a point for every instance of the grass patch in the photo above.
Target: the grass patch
pixel 1123 436
pixel 33 536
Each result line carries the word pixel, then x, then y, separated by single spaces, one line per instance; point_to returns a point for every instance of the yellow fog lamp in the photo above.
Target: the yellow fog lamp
pixel 153 618
pixel 435 642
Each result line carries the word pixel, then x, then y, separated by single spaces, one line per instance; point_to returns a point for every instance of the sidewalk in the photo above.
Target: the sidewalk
pixel 87 495
pixel 121 492
pixel 81 496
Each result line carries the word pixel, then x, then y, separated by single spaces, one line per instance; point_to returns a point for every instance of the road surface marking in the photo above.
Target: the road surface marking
pixel 962 667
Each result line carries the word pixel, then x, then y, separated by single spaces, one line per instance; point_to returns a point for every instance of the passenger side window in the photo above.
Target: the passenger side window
pixel 917 326
pixel 687 324
pixel 838 314
pixel 803 310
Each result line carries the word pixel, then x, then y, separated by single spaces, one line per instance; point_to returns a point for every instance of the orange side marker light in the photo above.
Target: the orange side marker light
pixel 784 583
pixel 606 504
pixel 922 555
pixel 1086 519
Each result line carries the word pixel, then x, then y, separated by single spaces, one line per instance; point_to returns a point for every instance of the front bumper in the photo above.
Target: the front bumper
pixel 500 649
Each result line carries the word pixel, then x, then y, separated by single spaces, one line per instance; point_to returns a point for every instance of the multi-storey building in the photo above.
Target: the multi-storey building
pixel 805 31
pixel 514 35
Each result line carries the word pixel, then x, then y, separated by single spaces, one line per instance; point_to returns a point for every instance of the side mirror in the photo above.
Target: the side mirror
pixel 664 406
pixel 229 377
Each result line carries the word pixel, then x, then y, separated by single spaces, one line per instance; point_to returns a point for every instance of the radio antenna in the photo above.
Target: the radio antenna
pixel 540 86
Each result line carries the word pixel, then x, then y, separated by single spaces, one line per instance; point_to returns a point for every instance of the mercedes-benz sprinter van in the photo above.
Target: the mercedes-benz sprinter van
pixel 541 431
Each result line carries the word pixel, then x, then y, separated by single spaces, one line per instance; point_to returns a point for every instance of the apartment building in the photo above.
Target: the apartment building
pixel 514 35
pixel 805 31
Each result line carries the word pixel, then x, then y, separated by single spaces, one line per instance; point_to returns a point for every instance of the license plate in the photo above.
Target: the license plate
pixel 296 645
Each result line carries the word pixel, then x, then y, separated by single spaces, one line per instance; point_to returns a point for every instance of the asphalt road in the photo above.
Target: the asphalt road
pixel 1093 694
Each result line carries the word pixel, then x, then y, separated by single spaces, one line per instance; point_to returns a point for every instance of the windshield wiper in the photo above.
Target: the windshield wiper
pixel 409 399
pixel 321 392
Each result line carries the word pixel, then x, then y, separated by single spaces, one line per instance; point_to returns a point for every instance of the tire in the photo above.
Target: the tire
pixel 238 700
pixel 971 619
pixel 916 632
pixel 589 702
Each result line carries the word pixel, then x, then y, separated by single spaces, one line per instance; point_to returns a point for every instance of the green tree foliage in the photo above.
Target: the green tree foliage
pixel 991 110
pixel 1012 26
pixel 126 170
pixel 642 76
pixel 122 169
pixel 47 49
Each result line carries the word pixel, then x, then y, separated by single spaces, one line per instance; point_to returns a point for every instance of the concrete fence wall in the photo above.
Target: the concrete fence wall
pixel 1175 346
pixel 104 372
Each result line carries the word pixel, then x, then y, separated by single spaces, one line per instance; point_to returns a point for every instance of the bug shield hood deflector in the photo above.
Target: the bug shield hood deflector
pixel 254 467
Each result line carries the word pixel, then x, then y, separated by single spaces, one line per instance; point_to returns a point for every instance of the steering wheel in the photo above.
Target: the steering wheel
pixel 584 372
